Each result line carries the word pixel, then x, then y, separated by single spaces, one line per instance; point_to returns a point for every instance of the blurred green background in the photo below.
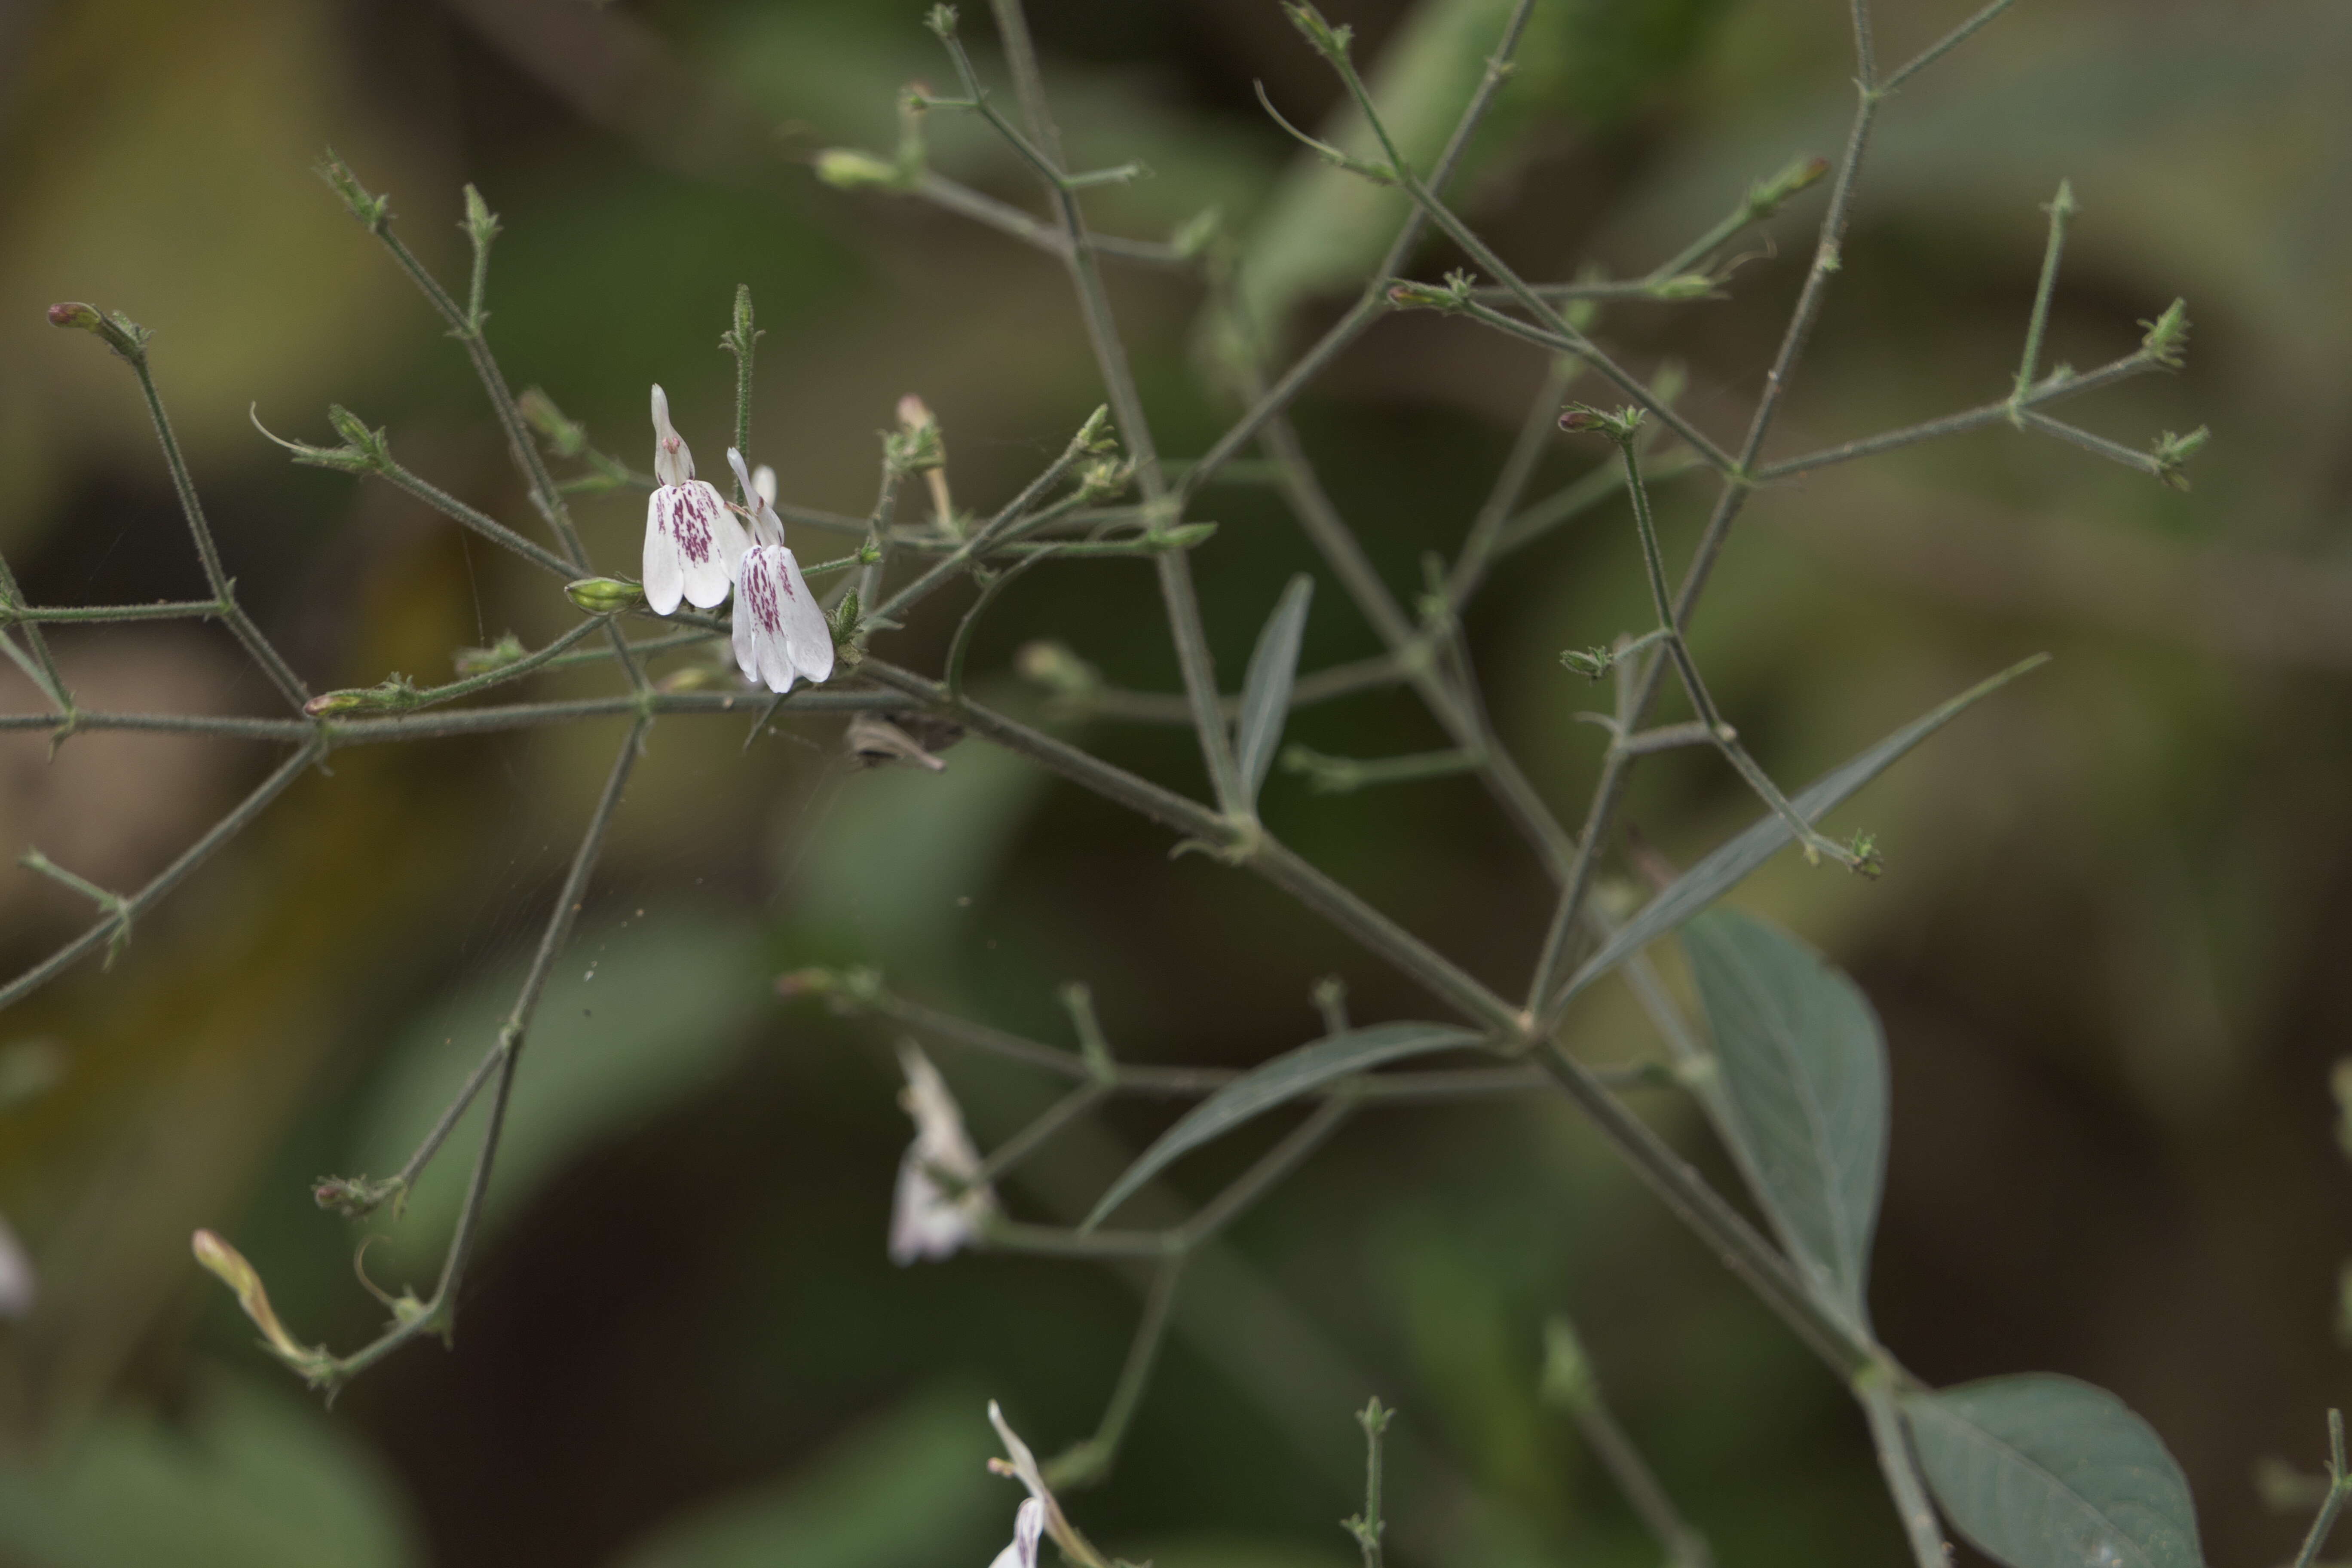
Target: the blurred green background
pixel 2109 949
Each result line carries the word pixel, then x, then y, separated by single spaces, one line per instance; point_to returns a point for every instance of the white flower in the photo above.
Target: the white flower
pixel 692 541
pixel 781 633
pixel 926 1221
pixel 1028 1525
pixel 17 1285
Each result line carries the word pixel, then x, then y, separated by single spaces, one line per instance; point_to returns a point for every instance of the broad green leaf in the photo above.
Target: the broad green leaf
pixel 255 1478
pixel 2041 1471
pixel 636 1017
pixel 1803 1070
pixel 1285 1077
pixel 1709 880
pixel 1265 691
pixel 910 1486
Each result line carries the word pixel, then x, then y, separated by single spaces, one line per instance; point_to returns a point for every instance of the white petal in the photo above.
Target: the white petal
pixel 747 657
pixel 1024 1463
pixel 924 1223
pixel 673 464
pixel 767 527
pixel 706 537
pixel 758 619
pixel 664 577
pixel 1028 1527
pixel 763 483
pixel 17 1288
pixel 807 638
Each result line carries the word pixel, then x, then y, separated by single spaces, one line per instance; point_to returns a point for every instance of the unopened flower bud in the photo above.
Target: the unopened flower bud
pixel 1766 197
pixel 2166 335
pixel 1054 666
pixel 848 169
pixel 227 1265
pixel 118 331
pixel 373 211
pixel 1197 233
pixel 1329 41
pixel 393 693
pixel 1567 1372
pixel 1581 418
pixel 1590 663
pixel 507 650
pixel 605 596
pixel 372 446
pixel 565 437
pixel 481 224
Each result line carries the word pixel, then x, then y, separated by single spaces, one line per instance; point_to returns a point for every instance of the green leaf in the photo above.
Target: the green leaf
pixel 255 1478
pixel 1803 1070
pixel 1709 880
pixel 1265 691
pixel 911 1486
pixel 1285 1077
pixel 2041 1471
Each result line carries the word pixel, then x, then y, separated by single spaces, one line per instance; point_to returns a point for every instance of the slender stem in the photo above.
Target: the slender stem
pixel 1573 500
pixel 1579 1390
pixel 1008 1155
pixel 180 610
pixel 1701 1209
pixel 1553 331
pixel 440 1314
pixel 1875 1389
pixel 1344 776
pixel 272 663
pixel 1173 708
pixel 435 694
pixel 2049 391
pixel 885 505
pixel 1686 667
pixel 171 876
pixel 1262 1177
pixel 2030 365
pixel 2339 1487
pixel 1089 1463
pixel 2113 451
pixel 1537 433
pixel 40 666
pixel 1372 304
pixel 960 646
pixel 989 533
pixel 489 528
pixel 742 339
pixel 1944 45
pixel 1369 1527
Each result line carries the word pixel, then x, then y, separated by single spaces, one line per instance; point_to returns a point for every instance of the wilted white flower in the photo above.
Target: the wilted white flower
pixel 781 633
pixel 926 1220
pixel 1028 1527
pixel 692 541
pixel 17 1288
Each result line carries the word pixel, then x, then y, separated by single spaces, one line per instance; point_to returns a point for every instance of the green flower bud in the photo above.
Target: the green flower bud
pixel 848 169
pixel 605 596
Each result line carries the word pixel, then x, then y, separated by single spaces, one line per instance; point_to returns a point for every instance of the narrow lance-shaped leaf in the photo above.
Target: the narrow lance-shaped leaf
pixel 1803 1075
pixel 1284 1078
pixel 2041 1471
pixel 1265 691
pixel 1709 880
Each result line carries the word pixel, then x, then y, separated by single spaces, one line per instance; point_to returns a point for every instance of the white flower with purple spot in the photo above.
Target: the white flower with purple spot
pixel 692 542
pixel 781 634
pixel 925 1219
pixel 1028 1527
